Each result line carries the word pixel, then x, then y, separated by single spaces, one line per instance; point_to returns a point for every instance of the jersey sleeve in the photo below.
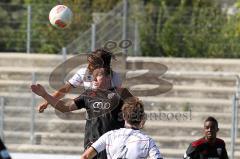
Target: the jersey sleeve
pixel 225 155
pixel 190 153
pixel 77 79
pixel 154 152
pixel 100 144
pixel 80 102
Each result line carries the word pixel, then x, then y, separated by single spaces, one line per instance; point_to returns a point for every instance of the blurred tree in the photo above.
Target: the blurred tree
pixel 227 45
pixel 44 37
pixel 155 15
pixel 191 29
pixel 182 28
pixel 10 19
pixel 150 20
pixel 5 29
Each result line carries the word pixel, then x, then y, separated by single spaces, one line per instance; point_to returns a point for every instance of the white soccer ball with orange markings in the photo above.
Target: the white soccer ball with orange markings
pixel 60 16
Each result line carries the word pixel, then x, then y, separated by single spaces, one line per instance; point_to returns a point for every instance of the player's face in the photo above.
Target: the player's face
pixel 210 130
pixel 101 82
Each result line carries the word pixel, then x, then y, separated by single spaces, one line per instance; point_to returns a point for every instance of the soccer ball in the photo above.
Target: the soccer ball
pixel 60 16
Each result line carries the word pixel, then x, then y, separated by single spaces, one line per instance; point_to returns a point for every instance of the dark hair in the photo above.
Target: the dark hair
pixel 105 55
pixel 101 71
pixel 212 119
pixel 100 58
pixel 133 111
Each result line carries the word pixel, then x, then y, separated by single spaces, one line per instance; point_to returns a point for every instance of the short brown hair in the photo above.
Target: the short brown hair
pixel 100 58
pixel 105 54
pixel 101 71
pixel 133 111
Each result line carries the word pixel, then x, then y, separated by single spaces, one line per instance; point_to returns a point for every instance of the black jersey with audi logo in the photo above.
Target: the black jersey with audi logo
pixel 201 149
pixel 103 111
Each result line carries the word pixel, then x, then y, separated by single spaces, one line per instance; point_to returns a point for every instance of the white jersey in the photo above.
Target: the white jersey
pixel 127 143
pixel 83 77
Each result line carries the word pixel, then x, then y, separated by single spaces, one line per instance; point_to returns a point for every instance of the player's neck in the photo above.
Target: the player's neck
pixel 210 141
pixel 129 126
pixel 105 87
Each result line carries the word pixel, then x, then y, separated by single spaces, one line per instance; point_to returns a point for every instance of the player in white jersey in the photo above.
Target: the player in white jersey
pixel 128 142
pixel 98 58
pixel 84 77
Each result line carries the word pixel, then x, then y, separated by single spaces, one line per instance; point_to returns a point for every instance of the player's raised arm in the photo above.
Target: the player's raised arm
pixel 60 105
pixel 60 93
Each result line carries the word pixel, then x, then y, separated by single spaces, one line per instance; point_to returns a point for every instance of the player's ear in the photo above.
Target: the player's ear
pixel 124 118
pixel 143 120
pixel 217 129
pixel 142 124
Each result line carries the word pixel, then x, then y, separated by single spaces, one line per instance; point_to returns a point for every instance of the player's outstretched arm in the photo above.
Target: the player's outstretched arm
pixel 89 153
pixel 96 147
pixel 60 93
pixel 56 103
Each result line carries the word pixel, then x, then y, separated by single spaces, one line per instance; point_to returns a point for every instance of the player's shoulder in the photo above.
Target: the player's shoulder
pixel 198 142
pixel 124 93
pixel 82 70
pixel 113 133
pixel 145 138
pixel 120 131
pixel 140 135
pixel 122 89
pixel 220 141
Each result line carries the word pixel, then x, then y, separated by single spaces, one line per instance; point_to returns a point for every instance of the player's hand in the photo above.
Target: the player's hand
pixel 42 106
pixel 38 89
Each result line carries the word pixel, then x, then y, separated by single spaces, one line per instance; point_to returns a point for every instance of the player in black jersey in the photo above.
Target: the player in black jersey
pixel 208 147
pixel 3 151
pixel 103 105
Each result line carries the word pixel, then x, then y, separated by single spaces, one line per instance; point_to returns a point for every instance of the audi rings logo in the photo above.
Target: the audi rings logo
pixel 101 105
pixel 124 44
